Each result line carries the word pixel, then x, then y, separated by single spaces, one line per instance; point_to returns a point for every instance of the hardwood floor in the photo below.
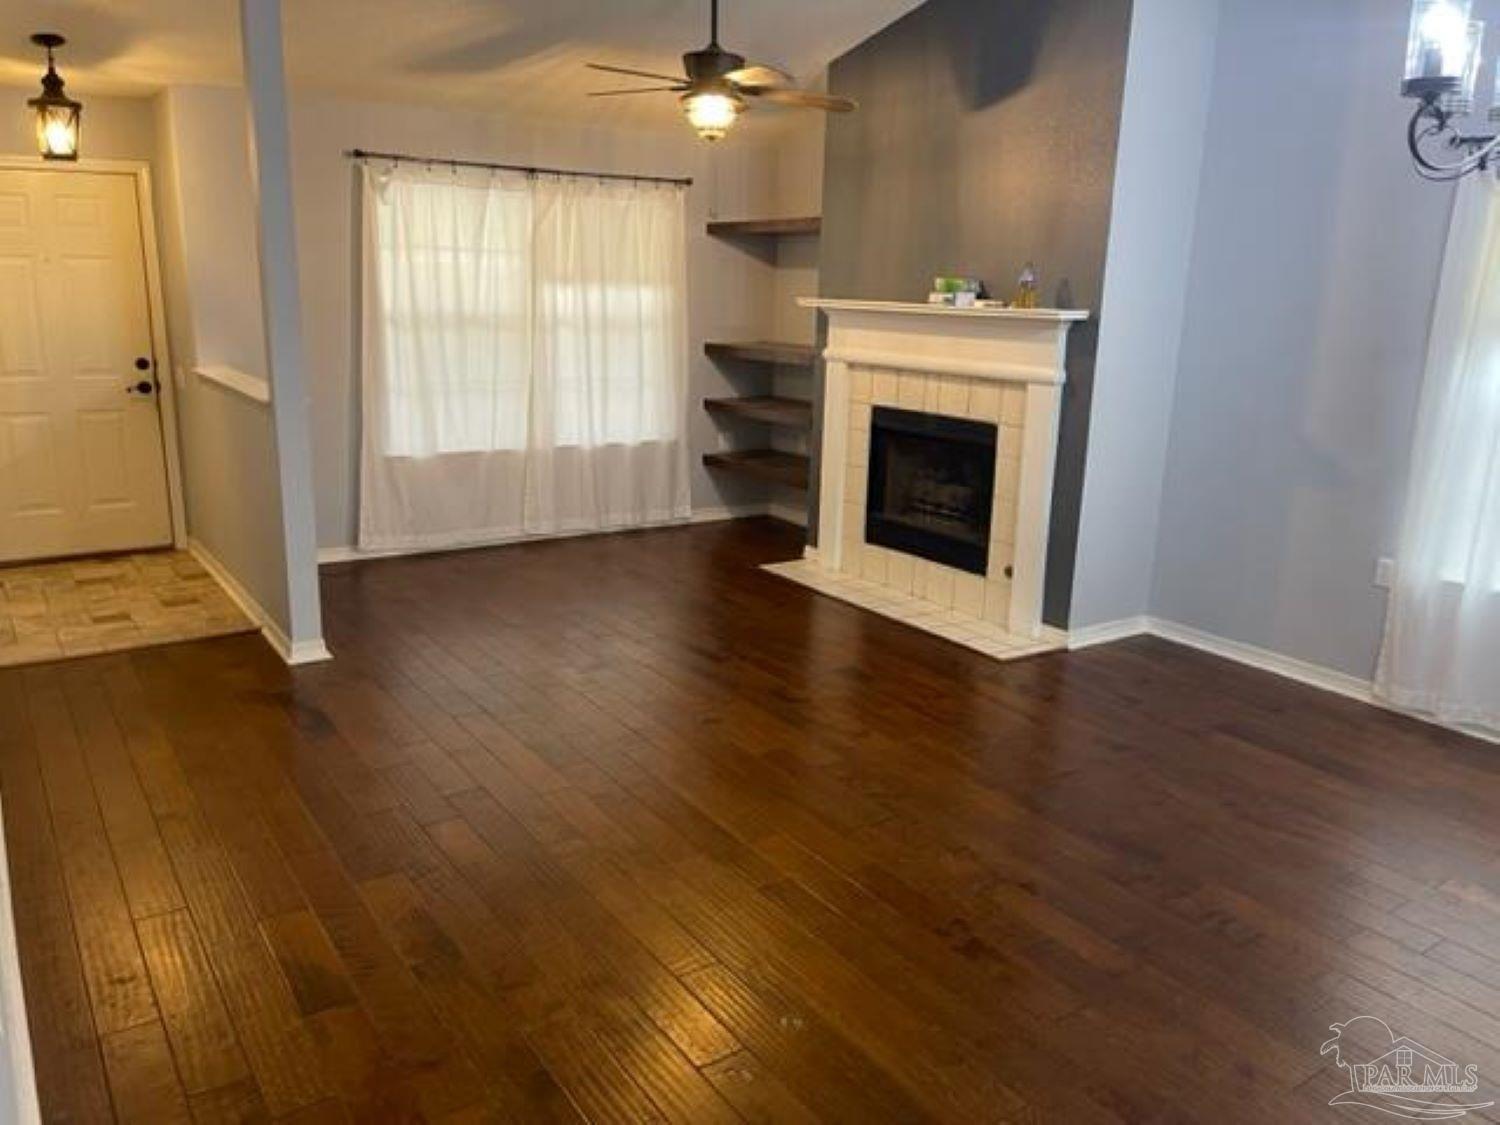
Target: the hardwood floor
pixel 623 829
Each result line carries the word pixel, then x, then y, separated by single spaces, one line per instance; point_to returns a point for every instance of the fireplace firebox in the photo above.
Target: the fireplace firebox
pixel 932 487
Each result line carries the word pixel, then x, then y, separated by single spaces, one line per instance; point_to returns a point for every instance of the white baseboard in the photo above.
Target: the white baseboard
pixel 307 651
pixel 788 513
pixel 327 556
pixel 304 652
pixel 1314 675
pixel 18 1097
pixel 1107 633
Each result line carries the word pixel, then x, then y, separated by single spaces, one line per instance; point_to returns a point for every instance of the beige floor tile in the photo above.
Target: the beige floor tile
pixel 84 606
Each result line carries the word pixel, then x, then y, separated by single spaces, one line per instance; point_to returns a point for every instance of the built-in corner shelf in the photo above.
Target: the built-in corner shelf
pixel 789 413
pixel 764 351
pixel 769 228
pixel 787 469
pixel 772 466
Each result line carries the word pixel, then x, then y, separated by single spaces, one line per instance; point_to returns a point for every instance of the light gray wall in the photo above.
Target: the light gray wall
pixel 1313 273
pixel 209 264
pixel 732 288
pixel 1168 83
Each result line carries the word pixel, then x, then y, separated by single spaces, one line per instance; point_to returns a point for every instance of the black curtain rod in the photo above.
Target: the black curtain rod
pixel 404 158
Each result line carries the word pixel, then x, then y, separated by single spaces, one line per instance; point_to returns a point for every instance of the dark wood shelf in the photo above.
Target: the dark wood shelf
pixel 789 469
pixel 764 351
pixel 793 413
pixel 746 228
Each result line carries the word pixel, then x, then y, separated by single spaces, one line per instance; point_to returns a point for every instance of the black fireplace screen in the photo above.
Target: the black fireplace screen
pixel 932 485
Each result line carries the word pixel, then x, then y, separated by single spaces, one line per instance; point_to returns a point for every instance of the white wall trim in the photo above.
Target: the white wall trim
pixel 786 513
pixel 253 387
pixel 20 1096
pixel 943 365
pixel 327 556
pixel 1313 675
pixel 302 652
pixel 1107 633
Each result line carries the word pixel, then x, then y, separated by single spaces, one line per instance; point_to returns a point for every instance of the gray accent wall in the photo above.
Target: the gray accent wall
pixel 1314 269
pixel 986 137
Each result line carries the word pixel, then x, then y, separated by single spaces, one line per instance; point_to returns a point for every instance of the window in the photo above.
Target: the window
pixel 454 298
pixel 510 306
pixel 525 355
pixel 1442 638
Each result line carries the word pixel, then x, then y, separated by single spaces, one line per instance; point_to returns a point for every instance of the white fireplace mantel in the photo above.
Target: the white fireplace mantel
pixel 1023 345
pixel 945 360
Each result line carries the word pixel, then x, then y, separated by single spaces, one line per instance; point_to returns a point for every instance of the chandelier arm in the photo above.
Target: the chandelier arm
pixel 1431 169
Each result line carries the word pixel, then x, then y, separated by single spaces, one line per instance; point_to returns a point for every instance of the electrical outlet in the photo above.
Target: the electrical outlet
pixel 1385 573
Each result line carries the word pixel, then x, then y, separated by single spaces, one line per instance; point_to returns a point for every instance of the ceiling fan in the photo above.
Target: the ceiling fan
pixel 718 86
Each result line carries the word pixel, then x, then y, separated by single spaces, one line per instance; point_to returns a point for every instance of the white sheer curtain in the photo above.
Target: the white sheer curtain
pixel 525 356
pixel 1442 642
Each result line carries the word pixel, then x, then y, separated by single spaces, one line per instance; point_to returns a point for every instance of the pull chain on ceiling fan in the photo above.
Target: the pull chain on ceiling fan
pixel 718 86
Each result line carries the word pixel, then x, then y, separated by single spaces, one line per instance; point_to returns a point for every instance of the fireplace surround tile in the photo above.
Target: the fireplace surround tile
pixel 969 594
pixel 899 572
pixel 984 402
pixel 954 396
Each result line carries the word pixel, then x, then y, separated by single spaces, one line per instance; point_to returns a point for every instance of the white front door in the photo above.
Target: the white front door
pixel 81 457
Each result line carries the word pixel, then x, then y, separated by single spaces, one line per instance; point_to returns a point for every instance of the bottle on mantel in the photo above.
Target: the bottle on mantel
pixel 1026 288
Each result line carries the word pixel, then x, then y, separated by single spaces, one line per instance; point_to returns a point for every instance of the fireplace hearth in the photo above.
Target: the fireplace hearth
pixel 931 487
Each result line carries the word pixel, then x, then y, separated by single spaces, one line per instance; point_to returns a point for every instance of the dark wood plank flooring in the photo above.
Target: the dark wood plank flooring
pixel 623 829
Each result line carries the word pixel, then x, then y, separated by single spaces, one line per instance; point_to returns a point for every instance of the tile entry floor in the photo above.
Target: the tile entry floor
pixel 81 607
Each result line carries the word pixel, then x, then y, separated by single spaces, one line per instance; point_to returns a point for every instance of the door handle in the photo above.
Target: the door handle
pixel 144 387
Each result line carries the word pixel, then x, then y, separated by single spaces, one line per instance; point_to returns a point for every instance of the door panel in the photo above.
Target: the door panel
pixel 81 458
pixel 21 336
pixel 28 447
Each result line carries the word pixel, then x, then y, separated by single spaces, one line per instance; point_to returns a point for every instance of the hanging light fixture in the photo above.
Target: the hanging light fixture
pixel 712 104
pixel 59 119
pixel 1443 55
pixel 712 112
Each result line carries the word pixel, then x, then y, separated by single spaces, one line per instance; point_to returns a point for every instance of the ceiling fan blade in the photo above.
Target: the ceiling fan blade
pixel 637 90
pixel 634 73
pixel 765 77
pixel 804 99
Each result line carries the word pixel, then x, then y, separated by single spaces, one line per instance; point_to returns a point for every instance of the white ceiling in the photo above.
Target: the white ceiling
pixel 521 56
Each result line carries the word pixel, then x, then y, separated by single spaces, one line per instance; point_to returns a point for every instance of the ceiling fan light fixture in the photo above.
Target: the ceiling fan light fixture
pixel 712 113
